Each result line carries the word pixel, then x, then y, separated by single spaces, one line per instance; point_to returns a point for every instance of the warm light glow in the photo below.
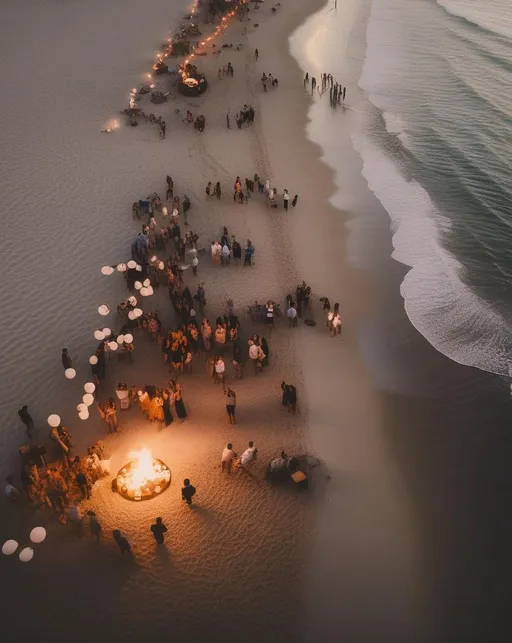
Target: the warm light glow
pixel 144 476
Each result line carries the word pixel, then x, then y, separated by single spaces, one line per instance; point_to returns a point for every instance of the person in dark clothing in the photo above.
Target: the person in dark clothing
pixel 158 530
pixel 66 359
pixel 83 483
pixel 27 420
pixel 187 491
pixel 294 200
pixel 122 541
pixel 227 122
pixel 289 397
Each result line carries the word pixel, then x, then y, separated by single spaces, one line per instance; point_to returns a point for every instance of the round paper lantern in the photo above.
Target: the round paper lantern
pixel 128 338
pixel 9 547
pixel 26 554
pixel 138 268
pixel 131 315
pixel 146 283
pixel 88 399
pixel 93 360
pixel 144 291
pixel 120 339
pixel 107 332
pixel 132 264
pixel 113 346
pixel 161 265
pixel 103 309
pixel 38 534
pixel 122 267
pixel 81 407
pixel 54 420
pixel 138 285
pixel 107 270
pixel 84 415
pixel 137 312
pixel 89 387
pixel 70 373
pixel 98 335
pixel 150 290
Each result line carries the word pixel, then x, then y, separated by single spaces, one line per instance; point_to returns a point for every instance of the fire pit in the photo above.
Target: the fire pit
pixel 143 478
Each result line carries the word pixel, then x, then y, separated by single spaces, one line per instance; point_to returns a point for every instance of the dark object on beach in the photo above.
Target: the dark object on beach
pixel 285 469
pixel 144 90
pixel 158 97
pixel 193 85
pixel 295 199
pixel 310 322
pixel 160 68
pixel 180 48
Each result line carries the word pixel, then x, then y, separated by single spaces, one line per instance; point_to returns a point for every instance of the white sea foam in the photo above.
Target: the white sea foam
pixel 445 311
pixel 490 15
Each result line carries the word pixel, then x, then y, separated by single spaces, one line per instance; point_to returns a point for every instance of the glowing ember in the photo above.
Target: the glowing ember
pixel 144 477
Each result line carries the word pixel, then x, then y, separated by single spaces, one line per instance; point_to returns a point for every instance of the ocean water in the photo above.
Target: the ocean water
pixel 436 152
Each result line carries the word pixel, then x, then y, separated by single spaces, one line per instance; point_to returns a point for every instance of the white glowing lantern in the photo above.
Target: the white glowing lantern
pixel 132 264
pixel 131 315
pixel 146 283
pixel 26 554
pixel 150 290
pixel 138 285
pixel 137 312
pixel 144 291
pixel 128 338
pixel 113 346
pixel 107 270
pixel 82 407
pixel 37 535
pixel 132 300
pixel 120 339
pixel 84 415
pixel 70 373
pixel 161 265
pixel 93 360
pixel 122 267
pixel 138 268
pixel 103 309
pixel 99 335
pixel 88 399
pixel 54 420
pixel 89 387
pixel 106 331
pixel 9 547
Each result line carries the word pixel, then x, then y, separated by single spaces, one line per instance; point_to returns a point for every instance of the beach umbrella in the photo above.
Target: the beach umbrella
pixel 103 309
pixel 128 338
pixel 122 267
pixel 88 399
pixel 84 415
pixel 107 332
pixel 38 534
pixel 112 346
pixel 54 420
pixel 98 335
pixel 137 312
pixel 132 264
pixel 26 554
pixel 107 270
pixel 93 360
pixel 70 373
pixel 9 547
pixel 120 339
pixel 138 285
pixel 89 387
pixel 131 315
pixel 81 407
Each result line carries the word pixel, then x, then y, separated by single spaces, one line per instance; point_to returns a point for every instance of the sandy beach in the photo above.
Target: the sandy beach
pixel 362 556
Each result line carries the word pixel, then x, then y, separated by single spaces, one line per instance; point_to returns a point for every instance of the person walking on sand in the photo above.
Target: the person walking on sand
pixel 248 253
pixel 306 80
pixel 228 455
pixel 228 125
pixel 217 191
pixel 289 398
pixel 343 94
pixel 254 354
pixel 313 85
pixel 286 198
pixel 294 200
pixel 256 54
pixel 249 456
pixel 122 541
pixel 27 420
pixel 220 369
pixel 83 484
pixel 291 313
pixel 94 526
pixel 231 405
pixel 158 530
pixel 187 491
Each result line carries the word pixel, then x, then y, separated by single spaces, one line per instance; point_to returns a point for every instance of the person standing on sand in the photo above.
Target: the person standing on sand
pixel 220 369
pixel 228 455
pixel 66 359
pixel 187 491
pixel 227 121
pixel 94 526
pixel 291 313
pixel 289 398
pixel 27 420
pixel 295 199
pixel 158 530
pixel 249 252
pixel 231 405
pixel 344 92
pixel 286 198
pixel 256 54
pixel 306 79
pixel 122 541
pixel 254 355
pixel 313 85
